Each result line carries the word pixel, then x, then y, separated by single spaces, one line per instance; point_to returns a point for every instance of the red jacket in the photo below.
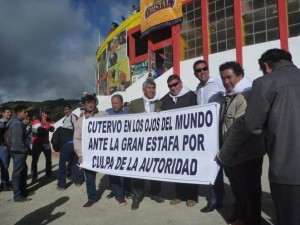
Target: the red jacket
pixel 40 130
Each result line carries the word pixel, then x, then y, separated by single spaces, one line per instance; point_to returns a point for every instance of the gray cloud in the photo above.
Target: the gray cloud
pixel 47 50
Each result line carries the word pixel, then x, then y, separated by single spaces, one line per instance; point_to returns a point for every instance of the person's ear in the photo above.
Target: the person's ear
pixel 268 69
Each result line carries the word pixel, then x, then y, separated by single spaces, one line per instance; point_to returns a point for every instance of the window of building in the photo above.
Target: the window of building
pixel 141 44
pixel 260 19
pixel 221 25
pixel 191 31
pixel 293 8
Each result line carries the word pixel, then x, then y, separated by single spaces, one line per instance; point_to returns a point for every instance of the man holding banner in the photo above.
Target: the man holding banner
pixel 146 104
pixel 179 97
pixel 210 90
pixel 115 181
pixel 90 110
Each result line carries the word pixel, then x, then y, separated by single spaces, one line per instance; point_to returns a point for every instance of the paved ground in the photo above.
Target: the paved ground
pixel 49 206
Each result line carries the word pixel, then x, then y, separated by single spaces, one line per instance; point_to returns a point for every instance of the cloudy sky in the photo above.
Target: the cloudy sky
pixel 47 47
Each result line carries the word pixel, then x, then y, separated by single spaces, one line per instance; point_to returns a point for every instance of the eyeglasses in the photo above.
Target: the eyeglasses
pixel 201 69
pixel 173 85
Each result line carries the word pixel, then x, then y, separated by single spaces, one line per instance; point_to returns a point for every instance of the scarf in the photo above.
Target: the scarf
pixel 243 85
pixel 147 102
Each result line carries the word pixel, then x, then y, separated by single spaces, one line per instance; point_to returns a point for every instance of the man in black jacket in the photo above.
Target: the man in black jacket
pixel 179 97
pixel 62 141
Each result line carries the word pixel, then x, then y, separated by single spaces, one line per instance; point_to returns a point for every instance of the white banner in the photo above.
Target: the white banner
pixel 176 145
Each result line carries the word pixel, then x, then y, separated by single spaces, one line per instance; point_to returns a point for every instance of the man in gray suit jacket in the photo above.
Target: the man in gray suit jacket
pixel 147 103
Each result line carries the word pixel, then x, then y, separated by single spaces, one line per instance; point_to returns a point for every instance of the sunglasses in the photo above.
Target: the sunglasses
pixel 173 85
pixel 201 69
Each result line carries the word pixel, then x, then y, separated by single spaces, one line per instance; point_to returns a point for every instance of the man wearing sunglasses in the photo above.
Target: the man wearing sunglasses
pixel 179 97
pixel 210 90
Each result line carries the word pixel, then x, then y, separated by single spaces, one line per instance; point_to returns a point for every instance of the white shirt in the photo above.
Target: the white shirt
pixel 212 91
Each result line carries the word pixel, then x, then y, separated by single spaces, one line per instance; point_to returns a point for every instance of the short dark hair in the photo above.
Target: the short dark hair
pixel 273 56
pixel 67 105
pixel 235 66
pixel 118 96
pixel 4 108
pixel 173 77
pixel 198 62
pixel 89 98
pixel 20 108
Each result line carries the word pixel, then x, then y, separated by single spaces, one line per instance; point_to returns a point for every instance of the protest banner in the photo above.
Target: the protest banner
pixel 175 145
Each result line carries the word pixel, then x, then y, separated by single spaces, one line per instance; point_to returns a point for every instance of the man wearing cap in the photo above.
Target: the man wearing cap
pixel 90 110
pixel 41 127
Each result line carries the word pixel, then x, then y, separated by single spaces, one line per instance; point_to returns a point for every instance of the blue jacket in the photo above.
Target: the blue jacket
pixel 110 111
pixel 18 135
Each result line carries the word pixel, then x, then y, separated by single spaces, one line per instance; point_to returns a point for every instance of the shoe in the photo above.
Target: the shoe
pixel 208 208
pixel 22 199
pixel 135 205
pixel 157 198
pixel 7 189
pixel 60 189
pixel 110 195
pixel 88 204
pixel 122 202
pixel 211 207
pixel 190 203
pixel 175 201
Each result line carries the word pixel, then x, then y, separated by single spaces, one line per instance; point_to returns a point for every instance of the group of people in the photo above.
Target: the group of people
pixel 255 118
pixel 18 140
pixel 252 122
pixel 16 143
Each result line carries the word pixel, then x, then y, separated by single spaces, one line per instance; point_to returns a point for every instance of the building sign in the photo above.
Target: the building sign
pixel 157 14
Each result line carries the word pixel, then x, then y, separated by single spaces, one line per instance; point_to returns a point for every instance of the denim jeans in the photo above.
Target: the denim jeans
pixel 37 148
pixel 4 164
pixel 90 181
pixel 19 175
pixel 116 187
pixel 67 153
